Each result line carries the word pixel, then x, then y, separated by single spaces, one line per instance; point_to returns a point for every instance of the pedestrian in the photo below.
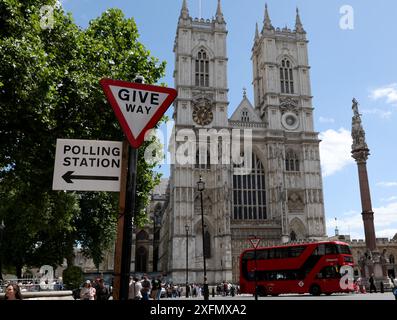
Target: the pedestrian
pixel 135 289
pixel 160 286
pixel 87 291
pixel 101 292
pixel 394 281
pixel 13 292
pixel 146 288
pixel 372 284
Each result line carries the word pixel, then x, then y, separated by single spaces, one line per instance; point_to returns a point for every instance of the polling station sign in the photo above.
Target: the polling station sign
pixel 87 165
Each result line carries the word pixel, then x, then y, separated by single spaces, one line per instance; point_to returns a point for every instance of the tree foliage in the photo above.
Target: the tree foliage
pixel 49 89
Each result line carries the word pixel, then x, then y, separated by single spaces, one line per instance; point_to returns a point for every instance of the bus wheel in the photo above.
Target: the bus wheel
pixel 262 291
pixel 315 290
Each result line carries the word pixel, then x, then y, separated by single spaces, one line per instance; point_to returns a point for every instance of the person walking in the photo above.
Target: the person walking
pixel 372 284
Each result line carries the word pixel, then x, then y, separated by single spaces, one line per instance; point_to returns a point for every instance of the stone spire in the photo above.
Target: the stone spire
pixel 267 23
pixel 219 15
pixel 184 11
pixel 298 23
pixel 256 32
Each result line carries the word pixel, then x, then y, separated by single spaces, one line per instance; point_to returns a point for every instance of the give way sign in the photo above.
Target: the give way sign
pixel 138 107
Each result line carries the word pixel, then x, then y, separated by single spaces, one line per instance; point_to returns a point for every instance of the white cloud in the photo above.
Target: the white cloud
pixel 335 150
pixel 393 198
pixel 386 233
pixel 385 219
pixel 389 92
pixel 326 120
pixel 381 113
pixel 387 184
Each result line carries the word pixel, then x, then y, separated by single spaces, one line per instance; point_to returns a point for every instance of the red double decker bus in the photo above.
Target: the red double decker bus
pixel 315 267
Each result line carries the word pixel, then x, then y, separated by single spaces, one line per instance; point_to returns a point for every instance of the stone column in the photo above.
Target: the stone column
pixel 360 153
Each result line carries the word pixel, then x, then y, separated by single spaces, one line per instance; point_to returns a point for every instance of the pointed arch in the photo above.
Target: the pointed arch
pixel 286 74
pixel 202 69
pixel 141 259
pixel 142 235
pixel 298 227
pixel 292 162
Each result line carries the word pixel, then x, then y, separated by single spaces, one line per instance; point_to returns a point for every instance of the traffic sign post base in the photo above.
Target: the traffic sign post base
pixel 128 220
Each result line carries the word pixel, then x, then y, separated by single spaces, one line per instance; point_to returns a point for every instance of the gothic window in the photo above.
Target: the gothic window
pixel 202 69
pixel 245 116
pixel 207 245
pixel 391 259
pixel 249 193
pixel 142 235
pixel 141 260
pixel 291 161
pixel 286 77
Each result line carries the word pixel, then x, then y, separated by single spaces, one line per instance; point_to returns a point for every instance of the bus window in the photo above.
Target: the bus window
pixel 328 272
pixel 343 249
pixel 280 276
pixel 319 251
pixel 330 248
pixel 294 252
pixel 248 255
pixel 262 254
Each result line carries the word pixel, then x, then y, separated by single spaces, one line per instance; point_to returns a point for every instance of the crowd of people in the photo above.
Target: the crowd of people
pixel 155 289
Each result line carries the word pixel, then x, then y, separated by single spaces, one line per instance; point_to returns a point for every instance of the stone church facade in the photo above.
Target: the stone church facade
pixel 280 197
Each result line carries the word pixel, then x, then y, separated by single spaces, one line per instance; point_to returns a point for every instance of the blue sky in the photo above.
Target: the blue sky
pixel 345 63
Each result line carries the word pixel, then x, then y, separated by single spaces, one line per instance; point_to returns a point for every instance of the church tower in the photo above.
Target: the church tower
pixel 283 101
pixel 201 81
pixel 280 198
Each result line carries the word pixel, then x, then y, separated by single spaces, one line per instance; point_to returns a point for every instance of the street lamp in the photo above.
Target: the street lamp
pixel 2 227
pixel 200 188
pixel 187 253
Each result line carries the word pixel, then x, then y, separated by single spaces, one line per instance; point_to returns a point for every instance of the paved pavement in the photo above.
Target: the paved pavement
pixel 368 296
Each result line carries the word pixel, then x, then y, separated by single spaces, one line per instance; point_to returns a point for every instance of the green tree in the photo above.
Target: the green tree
pixel 49 89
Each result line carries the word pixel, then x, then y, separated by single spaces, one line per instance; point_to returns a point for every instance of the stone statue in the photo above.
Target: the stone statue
pixel 358 133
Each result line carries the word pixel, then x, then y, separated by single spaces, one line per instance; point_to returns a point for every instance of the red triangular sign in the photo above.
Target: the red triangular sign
pixel 255 242
pixel 137 106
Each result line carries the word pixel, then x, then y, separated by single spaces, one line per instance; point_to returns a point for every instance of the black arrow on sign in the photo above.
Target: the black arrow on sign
pixel 68 177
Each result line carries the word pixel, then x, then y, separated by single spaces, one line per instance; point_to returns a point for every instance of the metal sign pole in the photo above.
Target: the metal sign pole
pixel 127 230
pixel 120 223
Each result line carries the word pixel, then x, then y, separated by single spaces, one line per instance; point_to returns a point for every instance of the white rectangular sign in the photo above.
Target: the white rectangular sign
pixel 87 165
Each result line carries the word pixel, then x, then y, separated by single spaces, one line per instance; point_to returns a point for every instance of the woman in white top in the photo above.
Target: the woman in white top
pixel 135 287
pixel 87 291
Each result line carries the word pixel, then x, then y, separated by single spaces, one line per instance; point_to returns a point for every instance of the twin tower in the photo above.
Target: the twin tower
pixel 281 198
